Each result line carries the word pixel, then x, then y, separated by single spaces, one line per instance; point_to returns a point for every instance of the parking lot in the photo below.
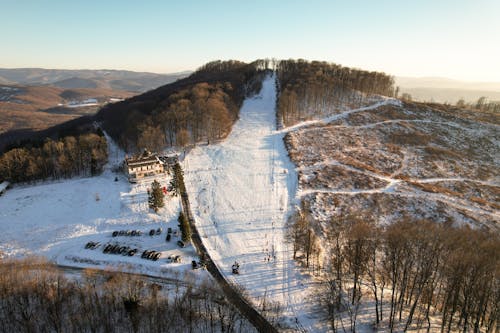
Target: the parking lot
pixel 154 245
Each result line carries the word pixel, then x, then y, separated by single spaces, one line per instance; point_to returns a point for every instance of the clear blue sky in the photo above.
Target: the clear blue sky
pixel 452 38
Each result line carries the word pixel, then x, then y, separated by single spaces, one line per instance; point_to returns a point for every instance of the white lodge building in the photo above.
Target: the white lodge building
pixel 145 165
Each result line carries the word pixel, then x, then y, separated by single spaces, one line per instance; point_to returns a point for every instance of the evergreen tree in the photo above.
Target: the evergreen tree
pixel 156 196
pixel 185 227
pixel 177 182
pixel 174 186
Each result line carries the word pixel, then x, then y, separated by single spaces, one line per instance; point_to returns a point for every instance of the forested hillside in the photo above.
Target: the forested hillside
pixel 431 277
pixel 202 107
pixel 81 155
pixel 35 296
pixel 315 89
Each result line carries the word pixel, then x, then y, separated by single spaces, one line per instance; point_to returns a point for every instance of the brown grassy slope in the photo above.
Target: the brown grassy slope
pixel 443 164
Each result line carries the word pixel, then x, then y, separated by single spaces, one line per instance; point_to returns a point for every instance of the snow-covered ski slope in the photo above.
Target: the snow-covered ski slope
pixel 240 191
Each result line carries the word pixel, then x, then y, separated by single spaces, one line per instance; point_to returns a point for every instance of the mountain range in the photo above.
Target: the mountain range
pixel 70 79
pixel 444 90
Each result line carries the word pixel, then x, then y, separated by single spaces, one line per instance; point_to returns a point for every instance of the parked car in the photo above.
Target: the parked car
pixel 181 243
pixel 168 237
pixel 107 248
pixel 92 245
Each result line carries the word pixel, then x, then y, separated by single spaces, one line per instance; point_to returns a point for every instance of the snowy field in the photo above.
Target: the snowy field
pixel 241 191
pixel 57 220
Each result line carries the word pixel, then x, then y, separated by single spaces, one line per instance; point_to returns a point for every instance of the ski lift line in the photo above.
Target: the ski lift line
pixel 252 315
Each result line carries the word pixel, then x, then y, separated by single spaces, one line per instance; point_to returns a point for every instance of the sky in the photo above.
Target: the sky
pixel 458 39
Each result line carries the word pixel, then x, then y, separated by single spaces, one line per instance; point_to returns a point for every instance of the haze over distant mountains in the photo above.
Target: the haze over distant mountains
pixel 441 90
pixel 75 79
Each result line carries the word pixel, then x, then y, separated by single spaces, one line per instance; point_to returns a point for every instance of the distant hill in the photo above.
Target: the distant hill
pixel 75 83
pixel 40 107
pixel 441 90
pixel 35 98
pixel 109 79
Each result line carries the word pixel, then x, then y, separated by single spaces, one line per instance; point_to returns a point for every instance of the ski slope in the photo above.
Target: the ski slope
pixel 240 191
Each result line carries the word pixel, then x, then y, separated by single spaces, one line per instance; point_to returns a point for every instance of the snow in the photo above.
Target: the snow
pixel 79 104
pixel 3 186
pixel 241 191
pixel 56 219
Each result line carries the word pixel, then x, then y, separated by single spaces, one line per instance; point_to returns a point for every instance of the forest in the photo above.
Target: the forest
pixel 35 296
pixel 310 89
pixel 420 274
pixel 69 156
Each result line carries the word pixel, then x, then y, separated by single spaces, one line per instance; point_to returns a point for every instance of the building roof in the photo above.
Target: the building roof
pixel 140 161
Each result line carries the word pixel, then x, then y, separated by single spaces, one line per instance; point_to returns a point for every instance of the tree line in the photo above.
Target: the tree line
pixel 308 89
pixel 36 297
pixel 482 104
pixel 82 155
pixel 414 271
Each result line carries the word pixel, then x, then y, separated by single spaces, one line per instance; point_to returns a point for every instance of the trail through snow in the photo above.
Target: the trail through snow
pixel 342 115
pixel 240 190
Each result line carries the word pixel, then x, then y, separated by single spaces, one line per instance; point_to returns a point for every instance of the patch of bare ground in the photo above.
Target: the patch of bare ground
pixel 387 208
pixel 484 195
pixel 337 177
pixel 423 161
pixel 356 147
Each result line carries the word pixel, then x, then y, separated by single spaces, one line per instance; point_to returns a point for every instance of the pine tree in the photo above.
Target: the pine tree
pixel 185 227
pixel 156 196
pixel 174 186
pixel 177 182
